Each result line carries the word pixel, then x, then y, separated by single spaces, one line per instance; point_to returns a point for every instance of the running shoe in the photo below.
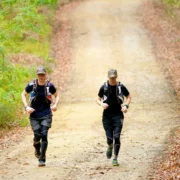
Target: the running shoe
pixel 41 163
pixel 115 162
pixel 109 152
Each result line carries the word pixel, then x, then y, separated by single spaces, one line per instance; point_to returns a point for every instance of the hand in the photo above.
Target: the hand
pixel 30 109
pixel 124 109
pixel 104 105
pixel 54 108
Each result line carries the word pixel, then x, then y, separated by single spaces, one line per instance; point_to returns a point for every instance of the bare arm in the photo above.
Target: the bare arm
pixel 126 105
pixel 27 108
pixel 56 95
pixel 100 103
pixel 23 96
pixel 128 100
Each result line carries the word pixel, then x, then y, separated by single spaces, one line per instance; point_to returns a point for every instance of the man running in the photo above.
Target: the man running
pixel 41 91
pixel 111 97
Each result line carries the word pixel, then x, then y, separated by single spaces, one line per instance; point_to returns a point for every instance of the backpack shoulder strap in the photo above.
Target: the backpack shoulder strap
pixel 35 85
pixel 106 92
pixel 48 94
pixel 119 91
pixel 47 87
pixel 119 88
pixel 33 93
pixel 105 87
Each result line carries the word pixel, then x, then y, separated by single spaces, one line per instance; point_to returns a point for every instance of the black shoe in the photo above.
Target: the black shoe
pixel 109 152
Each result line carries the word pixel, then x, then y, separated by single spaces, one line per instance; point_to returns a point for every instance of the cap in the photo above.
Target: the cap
pixel 112 73
pixel 41 70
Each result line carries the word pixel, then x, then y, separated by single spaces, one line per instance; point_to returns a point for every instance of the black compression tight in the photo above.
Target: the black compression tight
pixel 41 140
pixel 114 135
pixel 41 134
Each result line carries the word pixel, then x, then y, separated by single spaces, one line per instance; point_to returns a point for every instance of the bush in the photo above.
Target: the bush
pixel 11 86
pixel 175 3
pixel 24 29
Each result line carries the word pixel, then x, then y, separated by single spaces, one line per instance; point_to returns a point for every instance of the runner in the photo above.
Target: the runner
pixel 41 91
pixel 111 98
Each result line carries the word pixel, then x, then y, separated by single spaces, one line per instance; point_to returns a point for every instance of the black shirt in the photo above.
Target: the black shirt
pixel 42 108
pixel 112 101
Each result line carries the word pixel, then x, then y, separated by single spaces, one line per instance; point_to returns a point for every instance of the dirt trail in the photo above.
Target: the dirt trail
pixel 104 34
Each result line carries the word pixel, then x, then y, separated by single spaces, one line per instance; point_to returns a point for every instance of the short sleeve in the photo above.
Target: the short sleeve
pixel 52 88
pixel 124 90
pixel 29 87
pixel 101 91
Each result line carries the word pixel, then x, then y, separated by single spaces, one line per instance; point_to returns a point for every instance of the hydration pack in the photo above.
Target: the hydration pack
pixel 119 93
pixel 34 92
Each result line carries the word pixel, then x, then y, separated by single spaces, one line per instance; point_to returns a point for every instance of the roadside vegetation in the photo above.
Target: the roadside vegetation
pixel 172 8
pixel 174 3
pixel 161 19
pixel 26 30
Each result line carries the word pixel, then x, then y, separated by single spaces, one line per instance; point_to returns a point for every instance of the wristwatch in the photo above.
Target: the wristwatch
pixel 25 107
pixel 127 106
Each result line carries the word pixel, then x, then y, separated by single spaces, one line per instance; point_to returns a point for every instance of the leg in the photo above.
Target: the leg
pixel 45 125
pixel 37 136
pixel 44 143
pixel 109 134
pixel 108 127
pixel 117 127
pixel 117 124
pixel 37 143
pixel 117 144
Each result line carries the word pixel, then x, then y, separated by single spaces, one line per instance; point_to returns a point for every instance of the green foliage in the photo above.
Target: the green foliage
pixel 11 78
pixel 175 3
pixel 24 29
pixel 51 2
pixel 172 6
